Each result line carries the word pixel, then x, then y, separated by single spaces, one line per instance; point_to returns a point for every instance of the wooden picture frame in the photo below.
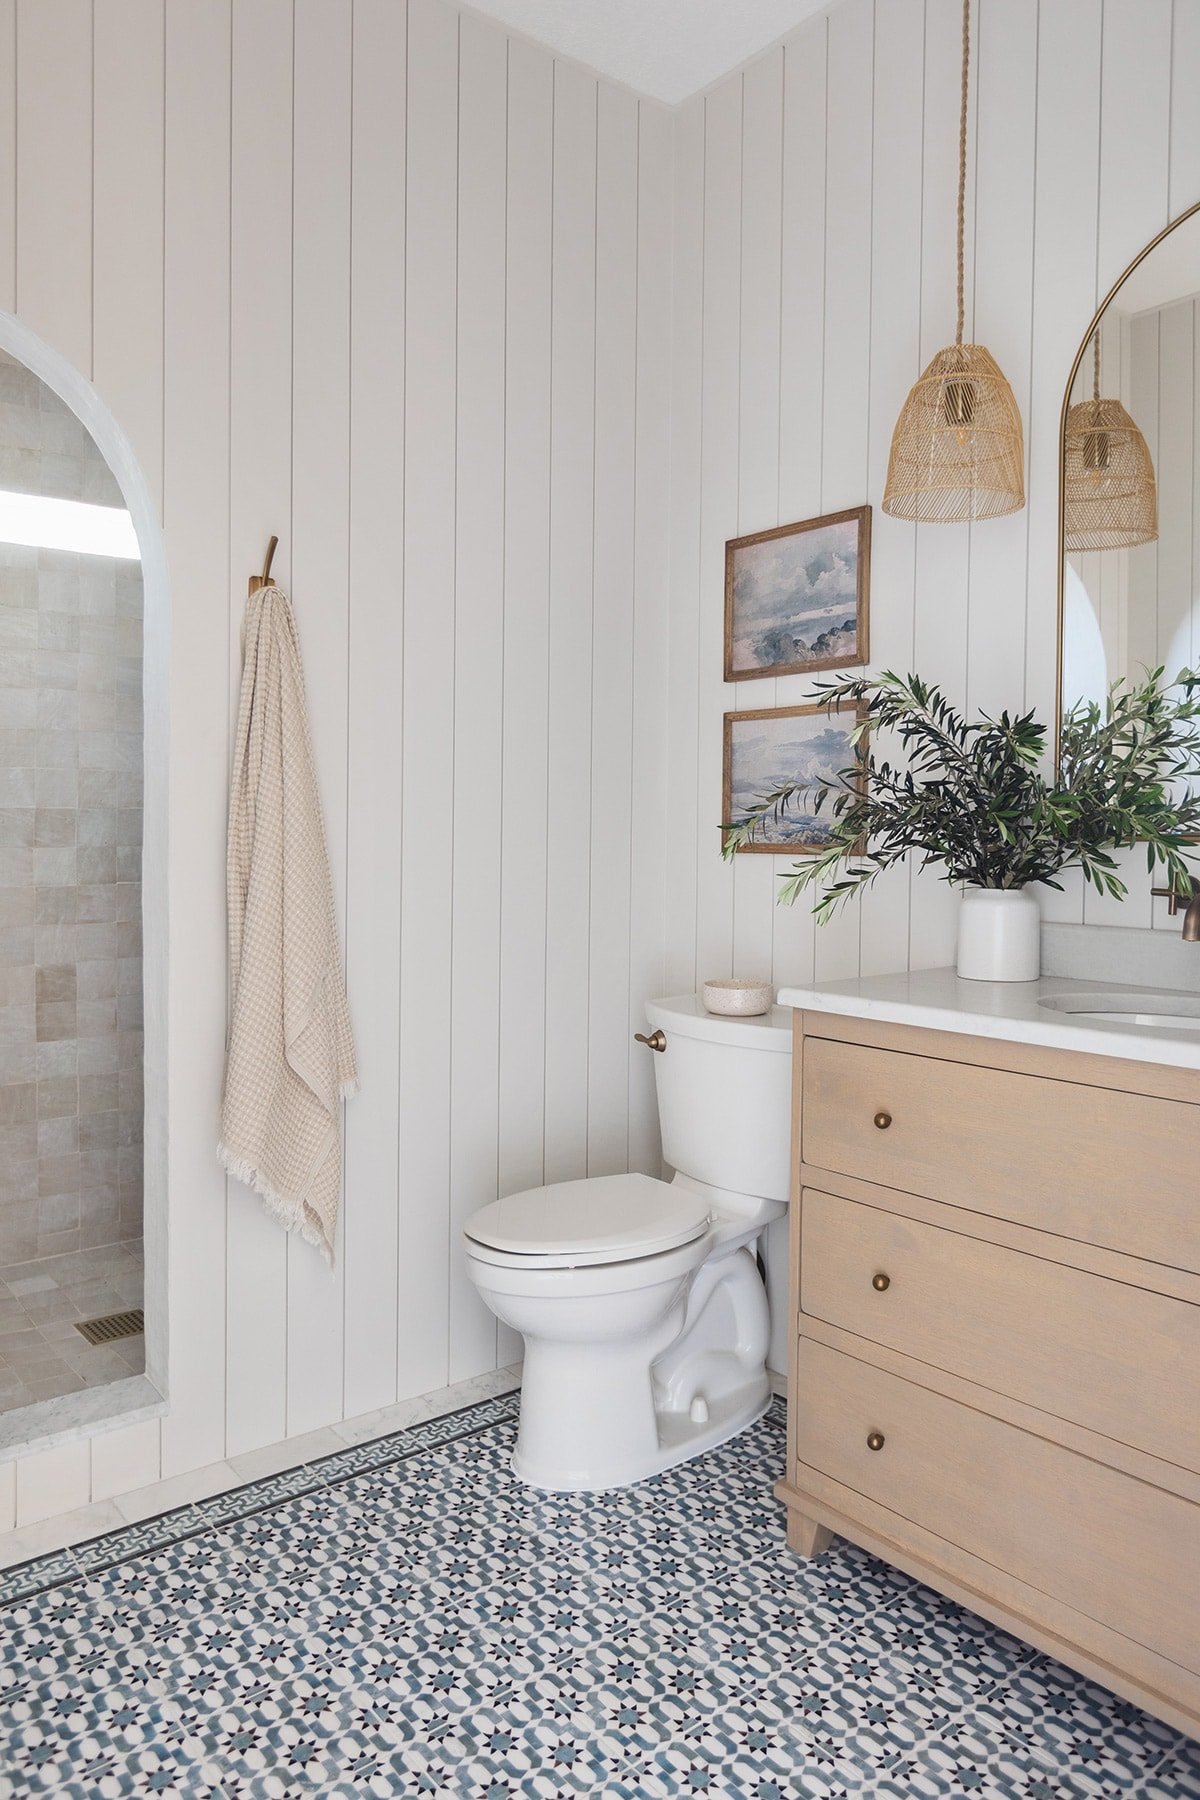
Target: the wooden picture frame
pixel 769 597
pixel 816 837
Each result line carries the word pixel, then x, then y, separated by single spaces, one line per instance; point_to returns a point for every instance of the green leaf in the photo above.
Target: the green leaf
pixel 971 796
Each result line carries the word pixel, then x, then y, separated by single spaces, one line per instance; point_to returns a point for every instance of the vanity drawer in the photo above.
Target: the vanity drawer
pixel 1059 1155
pixel 1101 1353
pixel 1118 1550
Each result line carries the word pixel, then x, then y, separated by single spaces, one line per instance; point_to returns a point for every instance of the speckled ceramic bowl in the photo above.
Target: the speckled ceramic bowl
pixel 738 999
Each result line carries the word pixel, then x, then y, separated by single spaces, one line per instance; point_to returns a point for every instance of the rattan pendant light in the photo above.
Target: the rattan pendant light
pixel 958 451
pixel 1110 497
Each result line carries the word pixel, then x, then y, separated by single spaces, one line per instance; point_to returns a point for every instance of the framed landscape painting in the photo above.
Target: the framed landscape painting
pixel 797 598
pixel 782 745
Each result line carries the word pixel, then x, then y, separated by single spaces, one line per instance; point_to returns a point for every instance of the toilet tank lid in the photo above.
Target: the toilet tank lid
pixel 687 1015
pixel 605 1218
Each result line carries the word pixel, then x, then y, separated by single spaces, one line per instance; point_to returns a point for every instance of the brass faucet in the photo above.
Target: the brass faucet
pixel 1191 906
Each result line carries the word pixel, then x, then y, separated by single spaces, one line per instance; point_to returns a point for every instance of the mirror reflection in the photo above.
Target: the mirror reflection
pixel 1131 479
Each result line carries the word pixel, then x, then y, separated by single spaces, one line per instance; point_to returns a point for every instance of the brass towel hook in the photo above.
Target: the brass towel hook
pixel 260 581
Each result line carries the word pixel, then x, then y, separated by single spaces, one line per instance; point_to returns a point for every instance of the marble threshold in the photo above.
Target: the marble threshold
pixel 28 1430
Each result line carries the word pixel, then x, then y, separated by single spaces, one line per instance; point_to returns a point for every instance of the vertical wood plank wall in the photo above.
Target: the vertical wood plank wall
pixel 804 310
pixel 1164 392
pixel 504 354
pixel 813 279
pixel 334 269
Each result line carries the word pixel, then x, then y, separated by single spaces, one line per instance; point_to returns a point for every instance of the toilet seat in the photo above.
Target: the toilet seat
pixel 577 1224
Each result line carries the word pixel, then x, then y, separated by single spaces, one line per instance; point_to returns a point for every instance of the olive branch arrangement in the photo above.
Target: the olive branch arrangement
pixel 973 797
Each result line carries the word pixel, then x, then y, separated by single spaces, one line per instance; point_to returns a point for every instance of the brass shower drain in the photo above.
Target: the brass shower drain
pixel 113 1326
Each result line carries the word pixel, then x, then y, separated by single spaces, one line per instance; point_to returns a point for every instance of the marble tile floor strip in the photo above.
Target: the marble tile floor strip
pixel 42 1355
pixel 405 1618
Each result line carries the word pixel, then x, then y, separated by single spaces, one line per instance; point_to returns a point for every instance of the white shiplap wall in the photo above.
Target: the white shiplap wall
pixel 373 277
pixel 1161 624
pixel 814 277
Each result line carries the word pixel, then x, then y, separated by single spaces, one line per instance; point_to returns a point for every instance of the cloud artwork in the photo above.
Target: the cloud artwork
pixel 795 600
pixel 804 746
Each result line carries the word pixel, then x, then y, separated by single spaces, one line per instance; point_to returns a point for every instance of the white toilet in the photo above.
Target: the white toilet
pixel 640 1301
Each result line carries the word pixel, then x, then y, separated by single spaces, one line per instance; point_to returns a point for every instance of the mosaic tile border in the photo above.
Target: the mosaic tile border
pixel 179 1524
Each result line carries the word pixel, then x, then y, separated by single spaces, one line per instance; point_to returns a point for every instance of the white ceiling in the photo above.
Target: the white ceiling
pixel 668 49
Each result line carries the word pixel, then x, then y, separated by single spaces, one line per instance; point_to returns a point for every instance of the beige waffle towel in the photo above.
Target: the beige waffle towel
pixel 290 1060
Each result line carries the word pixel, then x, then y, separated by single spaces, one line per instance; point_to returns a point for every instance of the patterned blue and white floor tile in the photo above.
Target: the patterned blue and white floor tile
pixel 404 1618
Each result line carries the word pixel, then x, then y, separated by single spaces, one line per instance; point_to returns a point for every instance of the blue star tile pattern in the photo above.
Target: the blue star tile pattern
pixel 404 1618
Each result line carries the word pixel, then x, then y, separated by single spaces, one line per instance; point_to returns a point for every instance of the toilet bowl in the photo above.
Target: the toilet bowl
pixel 641 1301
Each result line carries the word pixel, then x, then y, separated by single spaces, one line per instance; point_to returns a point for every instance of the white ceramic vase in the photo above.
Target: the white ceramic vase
pixel 999 935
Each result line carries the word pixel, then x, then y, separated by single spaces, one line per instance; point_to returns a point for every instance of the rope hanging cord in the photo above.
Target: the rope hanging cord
pixel 962 163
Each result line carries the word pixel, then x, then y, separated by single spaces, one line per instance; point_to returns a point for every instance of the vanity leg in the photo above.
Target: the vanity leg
pixel 805 1536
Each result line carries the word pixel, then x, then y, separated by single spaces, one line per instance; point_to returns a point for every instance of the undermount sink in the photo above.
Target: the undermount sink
pixel 1167 1012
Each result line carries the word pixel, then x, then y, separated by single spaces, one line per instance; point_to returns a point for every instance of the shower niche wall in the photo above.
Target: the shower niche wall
pixel 71 757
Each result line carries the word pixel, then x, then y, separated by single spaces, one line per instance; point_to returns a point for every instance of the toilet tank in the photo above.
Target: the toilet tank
pixel 724 1095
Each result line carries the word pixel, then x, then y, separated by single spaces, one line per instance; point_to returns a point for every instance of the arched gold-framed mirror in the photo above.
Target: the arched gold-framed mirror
pixel 1129 476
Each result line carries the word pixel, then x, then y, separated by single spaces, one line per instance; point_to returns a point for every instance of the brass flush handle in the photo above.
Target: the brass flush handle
pixel 883 1120
pixel 875 1440
pixel 881 1282
pixel 656 1041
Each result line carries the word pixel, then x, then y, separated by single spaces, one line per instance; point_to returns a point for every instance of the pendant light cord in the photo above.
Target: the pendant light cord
pixel 958 450
pixel 1096 366
pixel 962 160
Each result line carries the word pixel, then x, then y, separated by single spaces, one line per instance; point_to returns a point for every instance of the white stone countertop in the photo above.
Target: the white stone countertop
pixel 938 1001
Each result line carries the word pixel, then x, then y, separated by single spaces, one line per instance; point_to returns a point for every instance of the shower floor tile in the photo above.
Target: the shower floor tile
pixel 42 1355
pixel 415 1622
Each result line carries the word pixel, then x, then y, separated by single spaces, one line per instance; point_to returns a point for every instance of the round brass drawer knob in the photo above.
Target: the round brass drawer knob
pixel 881 1282
pixel 875 1440
pixel 883 1120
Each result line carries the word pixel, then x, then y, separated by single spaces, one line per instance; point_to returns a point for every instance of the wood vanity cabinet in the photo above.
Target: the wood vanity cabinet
pixel 995 1362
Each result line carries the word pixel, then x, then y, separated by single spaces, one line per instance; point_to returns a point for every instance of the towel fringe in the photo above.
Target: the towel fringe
pixel 293 1214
